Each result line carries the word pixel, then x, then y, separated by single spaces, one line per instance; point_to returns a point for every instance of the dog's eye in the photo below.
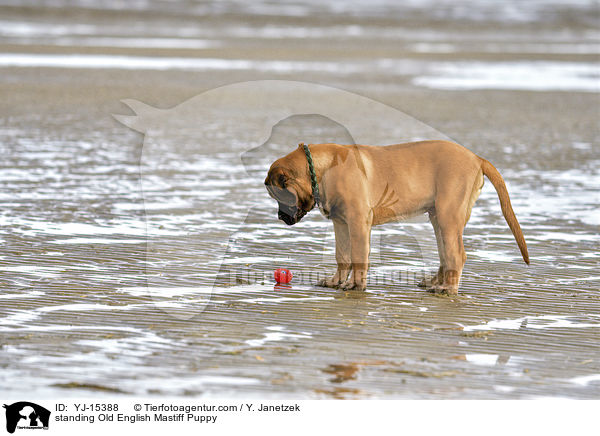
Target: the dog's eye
pixel 282 179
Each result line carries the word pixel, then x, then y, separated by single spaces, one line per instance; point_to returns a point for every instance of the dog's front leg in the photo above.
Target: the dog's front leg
pixel 360 237
pixel 342 256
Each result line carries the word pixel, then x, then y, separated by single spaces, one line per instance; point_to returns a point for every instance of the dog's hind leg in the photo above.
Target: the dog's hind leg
pixel 451 224
pixel 454 231
pixel 342 256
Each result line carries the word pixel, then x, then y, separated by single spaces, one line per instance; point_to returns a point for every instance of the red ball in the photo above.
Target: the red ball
pixel 283 275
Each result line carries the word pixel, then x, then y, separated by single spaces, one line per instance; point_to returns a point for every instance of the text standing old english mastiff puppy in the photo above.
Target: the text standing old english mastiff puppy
pixel 360 186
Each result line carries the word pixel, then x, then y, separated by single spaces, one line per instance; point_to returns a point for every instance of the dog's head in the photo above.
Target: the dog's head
pixel 288 183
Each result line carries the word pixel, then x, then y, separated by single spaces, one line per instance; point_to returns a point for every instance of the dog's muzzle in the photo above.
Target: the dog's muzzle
pixel 290 215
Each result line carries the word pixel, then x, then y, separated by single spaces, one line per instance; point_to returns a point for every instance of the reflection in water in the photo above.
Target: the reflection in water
pixel 342 372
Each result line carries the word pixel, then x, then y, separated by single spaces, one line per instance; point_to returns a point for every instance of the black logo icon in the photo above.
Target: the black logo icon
pixel 26 415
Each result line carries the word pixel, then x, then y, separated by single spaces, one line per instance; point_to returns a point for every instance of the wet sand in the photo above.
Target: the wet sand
pixel 77 314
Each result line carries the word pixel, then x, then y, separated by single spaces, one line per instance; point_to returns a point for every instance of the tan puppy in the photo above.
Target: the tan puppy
pixel 362 186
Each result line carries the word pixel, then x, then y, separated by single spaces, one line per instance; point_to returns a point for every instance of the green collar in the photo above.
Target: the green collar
pixel 313 175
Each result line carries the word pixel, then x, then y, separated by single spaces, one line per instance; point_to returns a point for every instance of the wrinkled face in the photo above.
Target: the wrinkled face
pixel 284 189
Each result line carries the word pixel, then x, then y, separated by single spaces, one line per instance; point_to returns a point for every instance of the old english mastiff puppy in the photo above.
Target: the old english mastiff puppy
pixel 360 186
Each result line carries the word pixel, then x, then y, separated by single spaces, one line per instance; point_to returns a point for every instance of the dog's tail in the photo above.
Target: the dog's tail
pixel 509 215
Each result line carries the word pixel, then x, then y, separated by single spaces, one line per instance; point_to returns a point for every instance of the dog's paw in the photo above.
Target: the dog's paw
pixel 347 285
pixel 444 290
pixel 351 285
pixel 431 281
pixel 328 283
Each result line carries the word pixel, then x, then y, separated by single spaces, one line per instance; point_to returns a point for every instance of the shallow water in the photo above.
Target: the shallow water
pixel 107 251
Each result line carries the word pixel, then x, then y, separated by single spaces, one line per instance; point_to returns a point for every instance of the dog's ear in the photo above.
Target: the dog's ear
pixel 282 179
